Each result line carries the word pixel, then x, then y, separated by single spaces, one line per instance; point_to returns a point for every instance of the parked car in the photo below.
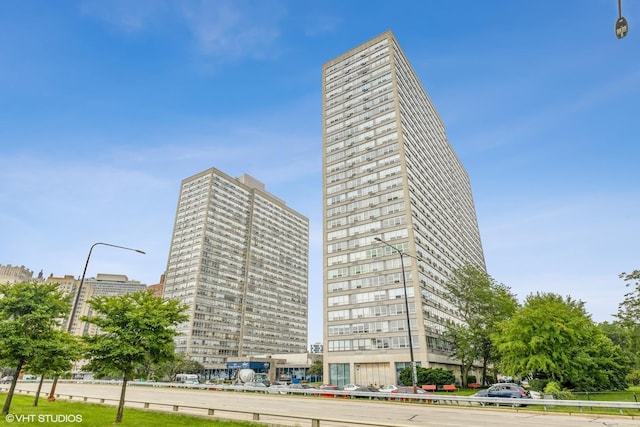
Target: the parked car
pixel 255 386
pixel 329 387
pixel 326 390
pixel 406 390
pixel 505 391
pixel 278 388
pixel 350 387
pixel 389 388
pixel 360 393
pixel 298 388
pixel 6 380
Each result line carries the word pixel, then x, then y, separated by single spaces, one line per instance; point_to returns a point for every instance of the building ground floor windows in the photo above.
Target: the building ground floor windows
pixel 375 374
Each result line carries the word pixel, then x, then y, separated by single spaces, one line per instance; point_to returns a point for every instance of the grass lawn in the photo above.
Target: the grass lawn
pixel 63 413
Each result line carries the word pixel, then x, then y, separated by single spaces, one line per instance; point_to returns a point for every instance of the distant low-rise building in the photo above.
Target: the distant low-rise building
pixel 158 288
pixel 316 348
pixel 14 274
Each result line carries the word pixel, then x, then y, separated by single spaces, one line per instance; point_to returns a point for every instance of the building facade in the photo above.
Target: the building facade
pixel 390 174
pixel 316 348
pixel 102 285
pixel 14 274
pixel 239 260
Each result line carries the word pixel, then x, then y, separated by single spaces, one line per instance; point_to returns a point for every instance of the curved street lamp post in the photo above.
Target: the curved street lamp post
pixel 414 373
pixel 84 272
pixel 76 299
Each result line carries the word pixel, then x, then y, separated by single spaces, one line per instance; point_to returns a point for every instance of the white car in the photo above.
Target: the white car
pixel 350 387
pixel 388 388
pixel 278 388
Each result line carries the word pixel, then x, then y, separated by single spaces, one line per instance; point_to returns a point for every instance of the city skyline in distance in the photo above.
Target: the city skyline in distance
pixel 107 106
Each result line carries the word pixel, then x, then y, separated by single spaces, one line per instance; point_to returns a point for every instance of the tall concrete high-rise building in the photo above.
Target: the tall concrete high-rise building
pixel 390 174
pixel 107 285
pixel 239 260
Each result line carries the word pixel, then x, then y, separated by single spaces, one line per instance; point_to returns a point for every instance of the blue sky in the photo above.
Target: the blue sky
pixel 105 106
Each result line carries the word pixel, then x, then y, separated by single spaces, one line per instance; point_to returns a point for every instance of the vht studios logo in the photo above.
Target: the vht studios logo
pixel 42 418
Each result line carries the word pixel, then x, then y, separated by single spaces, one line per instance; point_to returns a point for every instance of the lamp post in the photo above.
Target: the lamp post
pixel 414 373
pixel 76 300
pixel 84 272
pixel 622 27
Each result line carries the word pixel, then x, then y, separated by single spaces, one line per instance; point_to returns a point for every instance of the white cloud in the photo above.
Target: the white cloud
pixel 126 16
pixel 234 29
pixel 226 29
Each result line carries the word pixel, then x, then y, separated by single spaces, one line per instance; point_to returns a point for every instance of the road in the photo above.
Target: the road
pixel 350 410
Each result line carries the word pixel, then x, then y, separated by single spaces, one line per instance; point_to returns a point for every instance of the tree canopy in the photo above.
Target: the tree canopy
pixel 480 304
pixel 30 313
pixel 135 329
pixel 554 338
pixel 629 309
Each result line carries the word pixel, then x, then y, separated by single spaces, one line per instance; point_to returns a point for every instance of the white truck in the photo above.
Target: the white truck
pixel 250 376
pixel 188 378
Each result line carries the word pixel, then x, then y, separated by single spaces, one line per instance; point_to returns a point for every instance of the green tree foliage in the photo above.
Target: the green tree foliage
pixel 629 309
pixel 29 315
pixel 54 357
pixel 316 369
pixel 169 369
pixel 629 317
pixel 135 329
pixel 437 376
pixel 554 338
pixel 480 303
pixel 625 338
pixel 188 366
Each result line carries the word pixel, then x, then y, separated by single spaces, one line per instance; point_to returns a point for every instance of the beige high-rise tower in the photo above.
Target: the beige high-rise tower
pixel 390 174
pixel 239 260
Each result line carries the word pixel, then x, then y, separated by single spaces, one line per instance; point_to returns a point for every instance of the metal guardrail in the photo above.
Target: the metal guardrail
pixel 212 411
pixel 427 398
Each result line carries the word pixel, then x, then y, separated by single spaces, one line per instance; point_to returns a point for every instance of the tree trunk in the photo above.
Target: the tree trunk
pixel 35 401
pixel 7 402
pixel 464 373
pixel 52 393
pixel 121 404
pixel 485 362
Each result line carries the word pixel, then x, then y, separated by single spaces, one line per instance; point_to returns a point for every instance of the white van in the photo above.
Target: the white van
pixel 188 378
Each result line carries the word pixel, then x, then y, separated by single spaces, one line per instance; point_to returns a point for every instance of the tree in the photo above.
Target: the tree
pixel 29 315
pixel 316 369
pixel 169 369
pixel 554 338
pixel 629 309
pixel 55 356
pixel 628 326
pixel 480 303
pixel 135 329
pixel 625 338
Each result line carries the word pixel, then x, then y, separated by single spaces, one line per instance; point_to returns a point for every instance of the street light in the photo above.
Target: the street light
pixel 414 373
pixel 84 272
pixel 622 27
pixel 77 299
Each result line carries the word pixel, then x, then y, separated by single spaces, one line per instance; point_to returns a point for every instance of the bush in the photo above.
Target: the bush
pixel 538 384
pixel 553 387
pixel 633 377
pixel 471 379
pixel 437 376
